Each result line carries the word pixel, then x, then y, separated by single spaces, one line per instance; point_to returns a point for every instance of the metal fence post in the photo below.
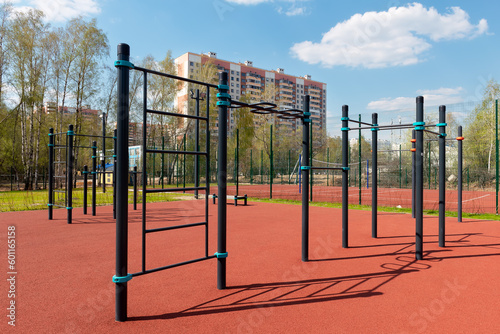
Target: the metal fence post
pixel 419 173
pixel 94 177
pixel 85 188
pixel 460 172
pixel 374 175
pixel 69 174
pixel 51 173
pixel 122 182
pixel 305 179
pixel 345 170
pixel 223 102
pixel 442 175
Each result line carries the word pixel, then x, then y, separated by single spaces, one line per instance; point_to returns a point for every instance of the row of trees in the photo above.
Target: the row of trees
pixel 40 64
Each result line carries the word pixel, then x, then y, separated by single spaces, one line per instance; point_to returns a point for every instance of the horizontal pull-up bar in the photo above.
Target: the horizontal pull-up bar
pixel 171 76
pixel 175 152
pixel 166 113
pixel 149 271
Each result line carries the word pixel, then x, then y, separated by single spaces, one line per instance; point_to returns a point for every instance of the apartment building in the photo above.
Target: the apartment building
pixel 286 90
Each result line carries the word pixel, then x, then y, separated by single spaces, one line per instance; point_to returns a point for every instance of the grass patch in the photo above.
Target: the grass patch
pixel 37 199
pixel 484 216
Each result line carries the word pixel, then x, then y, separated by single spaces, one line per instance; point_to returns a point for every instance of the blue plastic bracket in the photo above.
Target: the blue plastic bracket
pixel 69 208
pixel 50 145
pixel 345 129
pixel 441 124
pixel 224 103
pixel 122 279
pixel 344 118
pixel 224 95
pixel 223 87
pixel 71 133
pixel 420 128
pixel 220 255
pixel 305 167
pixel 307 120
pixel 345 168
pixel 124 63
pixel 50 204
pixel 375 129
pixel 306 113
pixel 442 135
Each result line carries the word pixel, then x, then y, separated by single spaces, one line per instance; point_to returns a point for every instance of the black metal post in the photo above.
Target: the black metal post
pixel 103 160
pixel 271 164
pixel 419 181
pixel 94 177
pixel 238 162
pixel 51 173
pixel 222 103
pixel 413 171
pixel 69 174
pixel 460 171
pixel 114 174
pixel 197 143
pixel 442 175
pixel 374 175
pixel 305 179
pixel 122 183
pixel 345 170
pixel 134 178
pixel 85 188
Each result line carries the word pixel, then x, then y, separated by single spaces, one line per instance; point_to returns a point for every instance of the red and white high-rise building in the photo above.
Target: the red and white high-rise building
pixel 288 90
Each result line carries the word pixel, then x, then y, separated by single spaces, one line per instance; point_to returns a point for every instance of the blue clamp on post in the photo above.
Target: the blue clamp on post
pixel 124 63
pixel 344 118
pixel 224 95
pixel 441 124
pixel 94 157
pixel 305 167
pixel 114 155
pixel 50 204
pixel 345 129
pixel 224 103
pixel 71 133
pixel 442 135
pixel 122 279
pixel 93 172
pixel 306 113
pixel 220 255
pixel 419 126
pixel 375 129
pixel 223 87
pixel 93 147
pixel 69 208
pixel 345 168
pixel 50 145
pixel 307 120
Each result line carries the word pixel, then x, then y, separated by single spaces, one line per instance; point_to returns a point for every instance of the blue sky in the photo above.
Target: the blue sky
pixel 373 55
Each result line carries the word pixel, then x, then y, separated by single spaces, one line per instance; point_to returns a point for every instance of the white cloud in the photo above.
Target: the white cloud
pixel 295 11
pixel 292 10
pixel 397 37
pixel 63 10
pixel 431 98
pixel 247 2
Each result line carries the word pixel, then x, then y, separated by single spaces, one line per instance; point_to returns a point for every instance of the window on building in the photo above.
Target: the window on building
pixel 232 78
pixel 237 91
pixel 237 73
pixel 191 63
pixel 232 84
pixel 237 85
pixel 232 90
pixel 237 79
pixel 232 72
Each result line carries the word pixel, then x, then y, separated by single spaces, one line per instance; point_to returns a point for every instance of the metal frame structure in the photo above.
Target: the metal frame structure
pixel 224 102
pixel 67 176
pixel 417 183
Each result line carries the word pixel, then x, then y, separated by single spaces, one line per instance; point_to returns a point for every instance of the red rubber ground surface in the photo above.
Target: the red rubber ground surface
pixel 64 274
pixel 472 201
